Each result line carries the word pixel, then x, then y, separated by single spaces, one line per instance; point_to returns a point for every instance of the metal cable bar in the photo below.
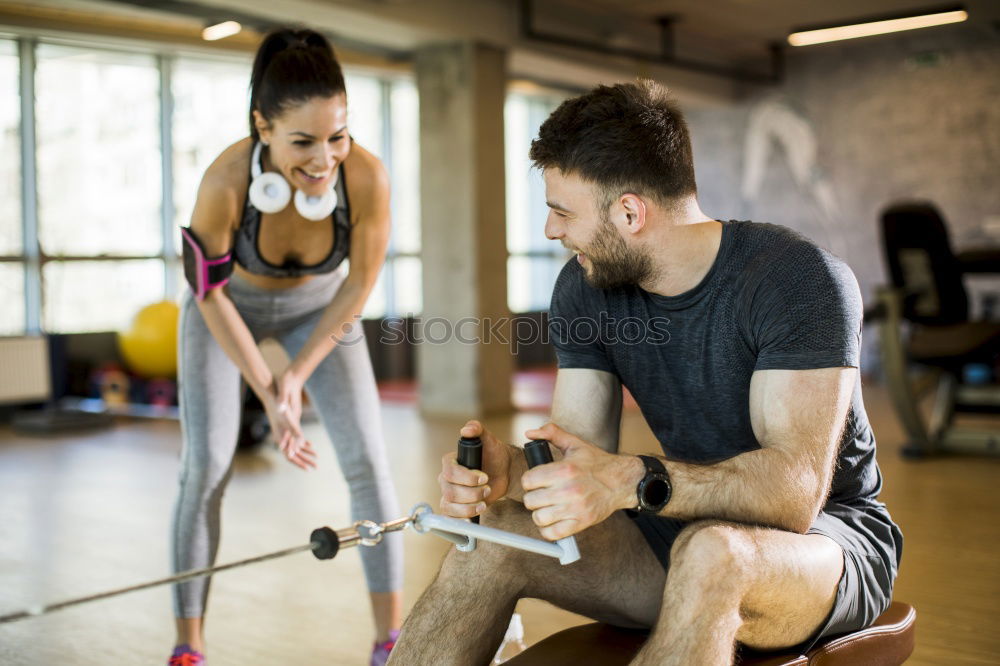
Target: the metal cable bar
pixel 179 578
pixel 325 543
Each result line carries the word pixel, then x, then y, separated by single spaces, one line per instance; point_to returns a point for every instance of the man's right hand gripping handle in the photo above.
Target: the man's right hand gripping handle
pixel 470 480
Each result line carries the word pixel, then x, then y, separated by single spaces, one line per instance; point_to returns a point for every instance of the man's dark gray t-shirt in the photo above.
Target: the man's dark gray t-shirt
pixel 771 300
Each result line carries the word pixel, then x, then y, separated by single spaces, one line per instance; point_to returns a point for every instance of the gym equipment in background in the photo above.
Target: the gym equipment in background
pixel 149 346
pixel 927 299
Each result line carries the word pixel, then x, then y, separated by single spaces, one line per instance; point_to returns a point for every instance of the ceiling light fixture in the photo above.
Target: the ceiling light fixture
pixel 220 31
pixel 807 37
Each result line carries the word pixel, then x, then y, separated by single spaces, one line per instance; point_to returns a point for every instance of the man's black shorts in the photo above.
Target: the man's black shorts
pixel 872 546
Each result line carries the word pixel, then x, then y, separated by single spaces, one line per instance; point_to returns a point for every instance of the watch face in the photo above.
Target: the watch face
pixel 654 489
pixel 655 493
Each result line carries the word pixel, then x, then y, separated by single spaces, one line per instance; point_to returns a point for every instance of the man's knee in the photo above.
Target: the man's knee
pixel 712 550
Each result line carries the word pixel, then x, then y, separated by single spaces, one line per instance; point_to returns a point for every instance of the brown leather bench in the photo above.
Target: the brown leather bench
pixel 888 642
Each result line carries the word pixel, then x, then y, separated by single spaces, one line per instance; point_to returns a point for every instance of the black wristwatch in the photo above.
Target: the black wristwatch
pixel 654 489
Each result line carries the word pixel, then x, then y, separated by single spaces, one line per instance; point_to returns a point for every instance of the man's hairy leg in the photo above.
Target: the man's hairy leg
pixel 765 588
pixel 461 618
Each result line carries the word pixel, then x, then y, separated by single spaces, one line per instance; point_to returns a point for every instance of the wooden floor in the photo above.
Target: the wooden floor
pixel 82 513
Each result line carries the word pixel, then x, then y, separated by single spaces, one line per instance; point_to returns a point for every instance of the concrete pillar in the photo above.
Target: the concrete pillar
pixel 464 370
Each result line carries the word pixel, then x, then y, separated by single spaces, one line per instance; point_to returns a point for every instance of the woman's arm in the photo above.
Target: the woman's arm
pixel 214 222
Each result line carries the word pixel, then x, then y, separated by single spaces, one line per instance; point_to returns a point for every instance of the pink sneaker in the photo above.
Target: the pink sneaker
pixel 185 655
pixel 380 653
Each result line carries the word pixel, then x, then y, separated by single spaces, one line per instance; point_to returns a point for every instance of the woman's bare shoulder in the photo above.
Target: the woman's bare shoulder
pixel 367 180
pixel 232 167
pixel 223 189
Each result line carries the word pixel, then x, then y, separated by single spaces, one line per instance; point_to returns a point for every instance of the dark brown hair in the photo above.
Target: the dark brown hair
pixel 630 137
pixel 292 66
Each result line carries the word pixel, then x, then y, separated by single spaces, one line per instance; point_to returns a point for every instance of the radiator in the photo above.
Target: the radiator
pixel 24 370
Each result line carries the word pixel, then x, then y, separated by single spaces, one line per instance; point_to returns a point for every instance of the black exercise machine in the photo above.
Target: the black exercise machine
pixel 923 320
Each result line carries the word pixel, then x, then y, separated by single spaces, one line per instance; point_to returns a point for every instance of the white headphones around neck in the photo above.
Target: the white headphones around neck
pixel 270 193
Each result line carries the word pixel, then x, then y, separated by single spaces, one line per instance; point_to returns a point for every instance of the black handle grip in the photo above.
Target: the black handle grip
pixel 470 456
pixel 537 452
pixel 470 452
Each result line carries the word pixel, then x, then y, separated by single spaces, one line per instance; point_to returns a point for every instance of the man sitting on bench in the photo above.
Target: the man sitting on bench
pixel 758 522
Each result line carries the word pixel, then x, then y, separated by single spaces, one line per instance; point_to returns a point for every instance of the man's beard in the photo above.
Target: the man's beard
pixel 612 264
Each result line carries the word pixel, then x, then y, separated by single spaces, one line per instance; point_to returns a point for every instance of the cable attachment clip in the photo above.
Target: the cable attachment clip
pixel 375 532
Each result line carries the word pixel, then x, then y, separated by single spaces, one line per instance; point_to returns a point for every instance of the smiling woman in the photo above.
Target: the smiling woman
pixel 277 215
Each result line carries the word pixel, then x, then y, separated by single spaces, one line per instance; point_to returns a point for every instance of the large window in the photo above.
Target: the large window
pixel 98 295
pixel 365 123
pixel 12 298
pixel 404 246
pixel 122 139
pixel 99 185
pixel 10 151
pixel 98 147
pixel 210 101
pixel 12 317
pixel 383 117
pixel 364 111
pixel 534 261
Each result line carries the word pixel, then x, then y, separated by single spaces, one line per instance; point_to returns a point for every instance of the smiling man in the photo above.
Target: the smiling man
pixel 758 521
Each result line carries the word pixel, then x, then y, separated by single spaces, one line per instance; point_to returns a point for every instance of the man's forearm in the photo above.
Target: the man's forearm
pixel 763 487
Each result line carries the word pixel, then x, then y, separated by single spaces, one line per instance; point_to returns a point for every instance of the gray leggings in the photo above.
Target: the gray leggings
pixel 341 389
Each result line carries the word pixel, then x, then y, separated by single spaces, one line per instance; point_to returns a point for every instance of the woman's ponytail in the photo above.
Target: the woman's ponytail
pixel 292 66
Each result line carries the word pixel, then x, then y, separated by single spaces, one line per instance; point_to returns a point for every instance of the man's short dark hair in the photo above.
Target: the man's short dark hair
pixel 630 137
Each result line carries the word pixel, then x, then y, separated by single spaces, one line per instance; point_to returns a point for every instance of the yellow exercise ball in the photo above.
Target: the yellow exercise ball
pixel 149 347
